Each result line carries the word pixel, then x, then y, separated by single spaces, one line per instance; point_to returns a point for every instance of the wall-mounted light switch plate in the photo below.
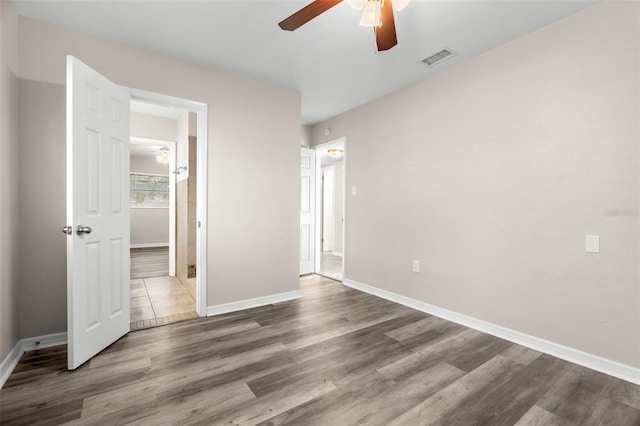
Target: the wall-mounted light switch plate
pixel 353 190
pixel 592 243
pixel 416 266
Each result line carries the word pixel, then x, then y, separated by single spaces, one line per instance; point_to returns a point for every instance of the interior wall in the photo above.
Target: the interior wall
pixel 492 172
pixel 148 164
pixel 305 136
pixel 9 181
pixel 43 247
pixel 244 116
pixel 153 126
pixel 149 226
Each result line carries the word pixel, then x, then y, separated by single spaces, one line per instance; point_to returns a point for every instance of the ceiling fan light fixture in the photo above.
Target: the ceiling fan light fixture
pixel 357 4
pixel 371 14
pixel 400 4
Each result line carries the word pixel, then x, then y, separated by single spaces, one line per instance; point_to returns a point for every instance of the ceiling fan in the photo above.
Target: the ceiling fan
pixel 376 13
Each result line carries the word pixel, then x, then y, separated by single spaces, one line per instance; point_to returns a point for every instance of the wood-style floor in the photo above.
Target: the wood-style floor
pixel 149 262
pixel 335 357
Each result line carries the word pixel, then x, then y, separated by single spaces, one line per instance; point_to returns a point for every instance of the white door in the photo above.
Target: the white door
pixel 97 212
pixel 328 207
pixel 307 210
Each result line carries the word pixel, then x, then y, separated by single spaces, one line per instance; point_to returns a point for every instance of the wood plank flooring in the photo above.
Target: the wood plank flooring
pixel 335 357
pixel 149 262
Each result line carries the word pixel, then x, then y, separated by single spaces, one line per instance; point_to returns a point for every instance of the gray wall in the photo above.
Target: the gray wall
pixel 245 143
pixel 9 260
pixel 43 248
pixel 148 164
pixel 149 226
pixel 153 126
pixel 305 136
pixel 492 172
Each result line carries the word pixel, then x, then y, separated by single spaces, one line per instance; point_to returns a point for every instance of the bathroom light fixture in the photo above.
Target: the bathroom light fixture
pixel 163 157
pixel 335 152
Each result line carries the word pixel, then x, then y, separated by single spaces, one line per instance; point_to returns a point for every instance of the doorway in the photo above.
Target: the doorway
pixel 330 202
pixel 164 176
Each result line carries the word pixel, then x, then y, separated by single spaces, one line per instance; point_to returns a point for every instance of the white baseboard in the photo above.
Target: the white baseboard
pixel 9 363
pixel 253 303
pixel 595 362
pixel 337 253
pixel 25 345
pixel 148 245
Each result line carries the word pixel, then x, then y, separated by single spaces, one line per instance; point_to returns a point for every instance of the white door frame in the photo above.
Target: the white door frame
pixel 172 194
pixel 308 212
pixel 336 143
pixel 332 170
pixel 201 192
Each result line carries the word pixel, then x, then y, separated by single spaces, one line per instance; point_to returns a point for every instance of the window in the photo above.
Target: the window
pixel 149 191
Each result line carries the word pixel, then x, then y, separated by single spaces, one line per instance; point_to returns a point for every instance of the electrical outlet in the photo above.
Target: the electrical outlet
pixel 416 266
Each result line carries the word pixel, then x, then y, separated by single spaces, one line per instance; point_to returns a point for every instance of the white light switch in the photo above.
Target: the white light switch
pixel 592 243
pixel 416 266
pixel 353 190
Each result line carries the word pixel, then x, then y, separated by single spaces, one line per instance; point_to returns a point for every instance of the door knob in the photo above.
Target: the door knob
pixel 67 230
pixel 83 230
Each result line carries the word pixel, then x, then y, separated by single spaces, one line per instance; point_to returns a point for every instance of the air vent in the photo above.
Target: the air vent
pixel 438 57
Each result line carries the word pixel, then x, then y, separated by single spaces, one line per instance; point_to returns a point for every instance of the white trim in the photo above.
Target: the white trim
pixel 24 345
pixel 202 218
pixel 149 174
pixel 595 362
pixel 149 245
pixel 253 303
pixel 148 207
pixel 9 363
pixel 337 253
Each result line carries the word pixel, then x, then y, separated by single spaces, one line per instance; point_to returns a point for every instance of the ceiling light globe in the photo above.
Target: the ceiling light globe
pixel 357 4
pixel 371 15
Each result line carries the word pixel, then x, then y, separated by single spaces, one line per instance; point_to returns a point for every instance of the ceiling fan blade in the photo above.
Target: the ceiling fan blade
pixel 307 13
pixel 386 33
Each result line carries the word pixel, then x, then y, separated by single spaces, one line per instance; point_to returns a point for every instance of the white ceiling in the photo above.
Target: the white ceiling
pixel 331 61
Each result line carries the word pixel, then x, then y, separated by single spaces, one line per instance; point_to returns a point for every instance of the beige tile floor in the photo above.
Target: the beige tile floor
pixel 159 300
